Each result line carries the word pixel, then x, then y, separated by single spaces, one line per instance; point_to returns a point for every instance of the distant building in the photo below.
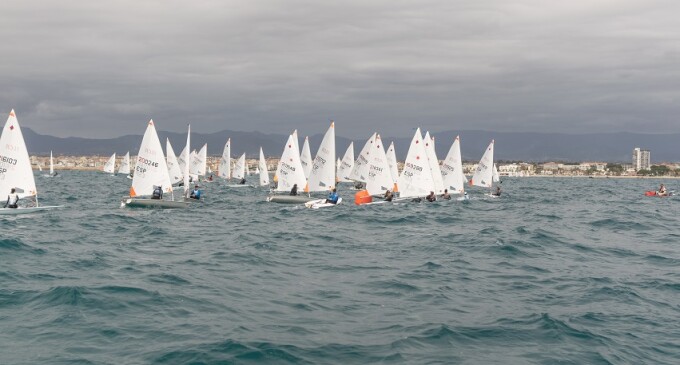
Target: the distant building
pixel 641 159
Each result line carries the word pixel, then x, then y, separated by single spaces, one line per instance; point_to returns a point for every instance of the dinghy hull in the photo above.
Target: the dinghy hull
pixel 153 203
pixel 321 203
pixel 289 199
pixel 28 210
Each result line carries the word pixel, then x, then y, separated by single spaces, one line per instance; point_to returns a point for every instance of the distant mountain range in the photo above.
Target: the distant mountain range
pixel 537 147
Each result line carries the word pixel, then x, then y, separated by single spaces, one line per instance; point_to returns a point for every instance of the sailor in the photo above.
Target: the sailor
pixel 358 185
pixel 446 195
pixel 431 197
pixel 195 194
pixel 157 192
pixel 12 199
pixel 243 181
pixel 210 178
pixel 293 191
pixel 498 191
pixel 389 196
pixel 333 197
pixel 662 190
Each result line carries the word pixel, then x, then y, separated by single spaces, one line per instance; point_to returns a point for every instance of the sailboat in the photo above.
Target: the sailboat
pixel 224 170
pixel 483 175
pixel 262 166
pixel 360 169
pixel 39 166
pixel 306 158
pixel 240 172
pixel 322 176
pixel 290 173
pixel 124 167
pixel 452 170
pixel 52 172
pixel 415 180
pixel 379 176
pixel 346 165
pixel 151 171
pixel 15 169
pixel 110 166
pixel 434 164
pixel 199 162
pixel 174 169
pixel 391 156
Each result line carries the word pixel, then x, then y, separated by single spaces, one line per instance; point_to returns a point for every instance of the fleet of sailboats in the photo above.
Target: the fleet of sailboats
pixel 375 168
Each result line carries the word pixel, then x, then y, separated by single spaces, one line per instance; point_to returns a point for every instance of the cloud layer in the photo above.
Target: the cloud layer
pixel 93 69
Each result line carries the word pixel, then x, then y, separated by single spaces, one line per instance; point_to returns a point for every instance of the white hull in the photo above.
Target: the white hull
pixel 239 186
pixel 321 203
pixel 289 199
pixel 377 202
pixel 28 210
pixel 153 203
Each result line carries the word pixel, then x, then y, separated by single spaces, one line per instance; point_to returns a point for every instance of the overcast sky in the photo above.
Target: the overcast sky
pixel 102 69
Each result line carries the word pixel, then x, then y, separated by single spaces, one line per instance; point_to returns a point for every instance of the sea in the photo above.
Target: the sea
pixel 555 271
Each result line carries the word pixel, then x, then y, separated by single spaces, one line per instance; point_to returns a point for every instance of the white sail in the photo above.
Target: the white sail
pixel 262 167
pixel 306 158
pixel 199 162
pixel 346 165
pixel 290 169
pixel 434 163
pixel 247 168
pixel 182 159
pixel 322 176
pixel 51 164
pixel 495 177
pixel 15 165
pixel 240 168
pixel 39 167
pixel 110 166
pixel 186 156
pixel 174 169
pixel 416 178
pixel 278 165
pixel 379 175
pixel 224 170
pixel 452 170
pixel 360 169
pixel 392 162
pixel 151 169
pixel 124 167
pixel 483 176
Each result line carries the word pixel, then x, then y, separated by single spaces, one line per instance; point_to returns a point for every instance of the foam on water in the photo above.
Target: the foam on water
pixel 565 270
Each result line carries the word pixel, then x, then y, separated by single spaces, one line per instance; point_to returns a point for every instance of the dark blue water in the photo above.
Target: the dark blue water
pixel 560 270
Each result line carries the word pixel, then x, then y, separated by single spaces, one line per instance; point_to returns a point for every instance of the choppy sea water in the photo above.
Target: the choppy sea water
pixel 558 270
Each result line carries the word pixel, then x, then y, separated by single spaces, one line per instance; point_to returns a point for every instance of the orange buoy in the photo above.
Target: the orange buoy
pixel 362 197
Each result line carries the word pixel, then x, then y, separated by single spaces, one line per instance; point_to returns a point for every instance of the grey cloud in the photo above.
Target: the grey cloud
pixel 88 68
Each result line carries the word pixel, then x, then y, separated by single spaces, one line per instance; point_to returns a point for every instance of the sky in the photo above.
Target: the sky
pixel 102 69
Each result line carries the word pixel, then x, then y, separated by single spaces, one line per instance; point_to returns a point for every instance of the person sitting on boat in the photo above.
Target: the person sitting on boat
pixel 157 193
pixel 210 178
pixel 12 199
pixel 662 190
pixel 498 191
pixel 431 197
pixel 389 196
pixel 446 195
pixel 196 193
pixel 333 197
pixel 358 185
pixel 243 181
pixel 293 191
